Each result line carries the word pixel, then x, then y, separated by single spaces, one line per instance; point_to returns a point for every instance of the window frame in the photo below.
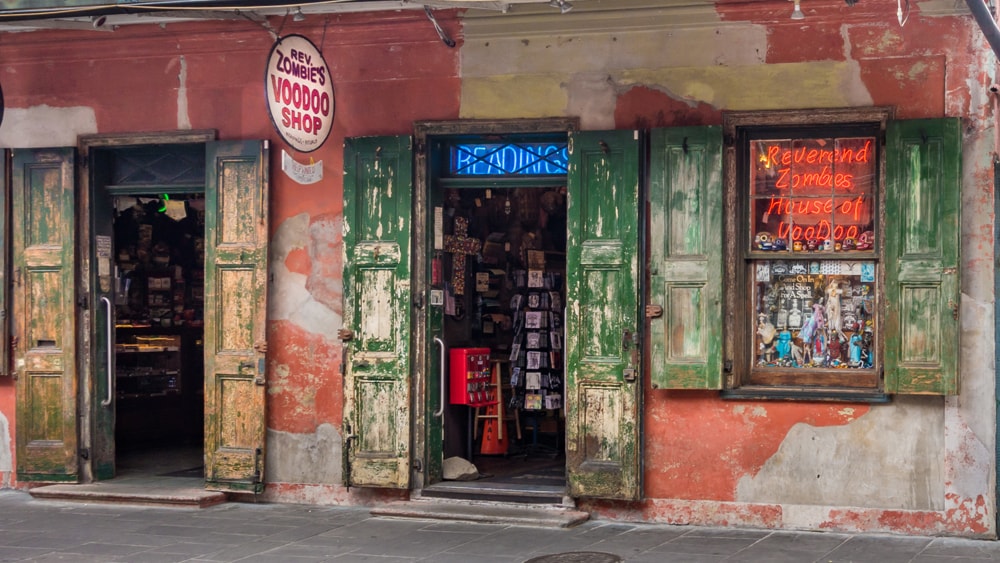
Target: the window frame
pixel 741 380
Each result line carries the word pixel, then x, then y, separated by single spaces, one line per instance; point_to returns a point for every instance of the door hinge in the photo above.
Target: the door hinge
pixel 83 302
pixel 85 453
pixel 258 458
pixel 418 465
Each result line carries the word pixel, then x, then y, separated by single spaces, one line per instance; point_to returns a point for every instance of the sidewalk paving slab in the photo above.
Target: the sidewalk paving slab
pixel 43 531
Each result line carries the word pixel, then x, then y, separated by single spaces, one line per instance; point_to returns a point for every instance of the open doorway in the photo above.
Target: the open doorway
pixel 147 213
pixel 159 256
pixel 503 326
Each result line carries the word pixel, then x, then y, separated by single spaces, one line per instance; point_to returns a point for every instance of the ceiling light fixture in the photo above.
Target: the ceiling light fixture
pixel 563 5
pixel 98 21
pixel 299 16
pixel 797 12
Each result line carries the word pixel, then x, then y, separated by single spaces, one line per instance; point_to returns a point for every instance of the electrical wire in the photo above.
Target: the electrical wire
pixel 157 6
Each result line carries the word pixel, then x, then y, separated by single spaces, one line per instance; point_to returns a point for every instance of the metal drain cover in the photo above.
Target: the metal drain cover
pixel 577 557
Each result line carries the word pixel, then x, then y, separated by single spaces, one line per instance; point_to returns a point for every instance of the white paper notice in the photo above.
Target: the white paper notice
pixel 301 173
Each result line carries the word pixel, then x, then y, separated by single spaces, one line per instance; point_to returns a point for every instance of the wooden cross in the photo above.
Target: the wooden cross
pixel 460 245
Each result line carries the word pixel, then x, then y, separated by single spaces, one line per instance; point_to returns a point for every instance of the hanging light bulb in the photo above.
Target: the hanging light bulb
pixel 797 12
pixel 299 16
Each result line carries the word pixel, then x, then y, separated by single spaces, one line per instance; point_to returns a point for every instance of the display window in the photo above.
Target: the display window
pixel 841 253
pixel 812 255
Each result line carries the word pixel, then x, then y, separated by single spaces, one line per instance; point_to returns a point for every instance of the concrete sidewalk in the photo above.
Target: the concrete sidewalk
pixel 45 530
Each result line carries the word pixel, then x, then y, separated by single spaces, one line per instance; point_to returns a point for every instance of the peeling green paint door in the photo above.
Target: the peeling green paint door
pixel 377 209
pixel 102 403
pixel 685 258
pixel 236 261
pixel 44 319
pixel 924 185
pixel 603 366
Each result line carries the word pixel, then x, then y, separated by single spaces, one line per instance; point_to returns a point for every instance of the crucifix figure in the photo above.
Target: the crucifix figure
pixel 460 245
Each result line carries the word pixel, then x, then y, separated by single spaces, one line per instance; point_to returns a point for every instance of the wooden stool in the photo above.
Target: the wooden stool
pixel 499 413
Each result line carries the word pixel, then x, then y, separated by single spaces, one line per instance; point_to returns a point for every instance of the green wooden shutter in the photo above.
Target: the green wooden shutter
pixel 685 206
pixel 924 171
pixel 45 313
pixel 602 272
pixel 377 209
pixel 5 304
pixel 236 246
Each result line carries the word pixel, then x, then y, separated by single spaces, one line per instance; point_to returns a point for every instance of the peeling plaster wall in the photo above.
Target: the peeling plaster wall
pixel 45 126
pixel 6 457
pixel 305 458
pixel 888 458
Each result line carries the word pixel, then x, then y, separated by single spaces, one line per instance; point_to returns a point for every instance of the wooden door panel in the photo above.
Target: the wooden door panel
pixel 685 263
pixel 924 167
pixel 377 209
pixel 236 224
pixel 603 367
pixel 44 313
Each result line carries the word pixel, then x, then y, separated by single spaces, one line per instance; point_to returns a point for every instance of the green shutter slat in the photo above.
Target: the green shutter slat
pixel 924 167
pixel 685 202
pixel 5 304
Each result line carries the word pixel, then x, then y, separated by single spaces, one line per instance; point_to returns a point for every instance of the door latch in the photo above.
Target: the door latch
pixel 654 311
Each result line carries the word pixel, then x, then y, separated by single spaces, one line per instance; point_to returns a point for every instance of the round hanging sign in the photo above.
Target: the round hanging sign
pixel 299 93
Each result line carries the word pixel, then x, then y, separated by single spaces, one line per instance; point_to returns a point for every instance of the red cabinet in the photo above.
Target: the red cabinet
pixel 471 379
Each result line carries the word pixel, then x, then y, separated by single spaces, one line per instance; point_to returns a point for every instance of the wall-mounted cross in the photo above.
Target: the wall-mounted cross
pixel 460 245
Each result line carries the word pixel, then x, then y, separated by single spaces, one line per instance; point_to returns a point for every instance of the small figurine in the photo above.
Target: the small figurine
pixel 819 349
pixel 834 349
pixel 766 331
pixel 763 240
pixel 797 246
pixel 833 293
pixel 867 355
pixel 798 356
pixel 866 241
pixel 828 245
pixel 779 244
pixel 784 345
pixel 854 351
pixel 812 245
pixel 849 244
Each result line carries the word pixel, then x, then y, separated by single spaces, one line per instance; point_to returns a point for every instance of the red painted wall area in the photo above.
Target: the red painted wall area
pixel 698 447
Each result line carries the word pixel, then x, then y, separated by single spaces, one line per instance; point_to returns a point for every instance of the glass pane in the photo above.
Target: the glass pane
pixel 810 195
pixel 764 161
pixel 814 314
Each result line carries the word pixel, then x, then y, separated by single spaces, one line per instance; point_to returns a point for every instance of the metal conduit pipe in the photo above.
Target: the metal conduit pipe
pixel 986 23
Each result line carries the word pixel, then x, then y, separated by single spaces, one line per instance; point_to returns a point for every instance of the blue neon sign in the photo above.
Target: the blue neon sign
pixel 508 159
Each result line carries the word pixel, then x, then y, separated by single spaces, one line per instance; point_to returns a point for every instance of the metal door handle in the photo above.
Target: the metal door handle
pixel 444 378
pixel 111 372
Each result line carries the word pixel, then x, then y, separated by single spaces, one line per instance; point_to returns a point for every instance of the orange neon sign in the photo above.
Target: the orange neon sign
pixel 813 189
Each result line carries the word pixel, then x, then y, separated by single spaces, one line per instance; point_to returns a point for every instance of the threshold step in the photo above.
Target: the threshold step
pixel 499 492
pixel 120 493
pixel 487 513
